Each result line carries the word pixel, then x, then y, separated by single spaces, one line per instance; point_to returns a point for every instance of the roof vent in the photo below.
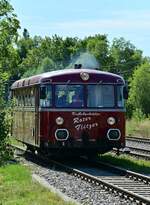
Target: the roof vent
pixel 77 66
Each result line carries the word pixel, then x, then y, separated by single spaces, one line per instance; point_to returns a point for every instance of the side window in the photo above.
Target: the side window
pixel 45 96
pixel 23 98
pixel 32 97
pixel 120 99
pixel 15 97
pixel 26 97
pixel 28 91
pixel 20 100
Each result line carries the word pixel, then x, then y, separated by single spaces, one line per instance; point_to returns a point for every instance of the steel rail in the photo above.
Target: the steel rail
pixel 138 139
pixel 135 150
pixel 139 155
pixel 139 149
pixel 132 152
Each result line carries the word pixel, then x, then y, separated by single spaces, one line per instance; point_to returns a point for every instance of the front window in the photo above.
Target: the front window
pixel 45 96
pixel 69 96
pixel 100 96
pixel 120 99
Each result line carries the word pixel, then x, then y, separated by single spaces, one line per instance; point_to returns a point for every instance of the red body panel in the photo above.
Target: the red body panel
pixel 91 124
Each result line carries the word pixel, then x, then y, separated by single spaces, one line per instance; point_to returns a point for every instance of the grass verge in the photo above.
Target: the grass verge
pixel 127 162
pixel 17 187
pixel 140 128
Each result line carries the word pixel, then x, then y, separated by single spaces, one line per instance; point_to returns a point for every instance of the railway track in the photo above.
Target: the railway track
pixel 139 139
pixel 135 152
pixel 126 184
pixel 139 152
pixel 139 147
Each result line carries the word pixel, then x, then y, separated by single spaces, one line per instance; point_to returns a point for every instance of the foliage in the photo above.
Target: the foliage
pixel 125 56
pixel 24 45
pixel 46 66
pixel 8 35
pixel 138 115
pixel 99 47
pixel 5 122
pixel 3 81
pixel 9 60
pixel 140 89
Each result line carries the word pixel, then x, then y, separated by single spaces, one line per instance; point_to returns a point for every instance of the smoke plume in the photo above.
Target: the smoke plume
pixel 86 59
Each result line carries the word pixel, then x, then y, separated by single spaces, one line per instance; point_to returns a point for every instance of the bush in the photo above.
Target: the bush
pixel 5 124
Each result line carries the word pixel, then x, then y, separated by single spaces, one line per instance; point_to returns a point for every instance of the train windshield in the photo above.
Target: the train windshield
pixel 69 96
pixel 100 96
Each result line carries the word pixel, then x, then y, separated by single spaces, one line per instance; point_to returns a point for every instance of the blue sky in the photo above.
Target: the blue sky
pixel 79 18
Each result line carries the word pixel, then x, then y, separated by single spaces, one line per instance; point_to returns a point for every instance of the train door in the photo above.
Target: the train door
pixel 33 118
pixel 29 119
pixel 37 116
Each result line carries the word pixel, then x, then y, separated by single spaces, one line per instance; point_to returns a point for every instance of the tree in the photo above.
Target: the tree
pixel 140 89
pixel 26 44
pixel 99 47
pixel 8 35
pixel 125 57
pixel 56 49
pixel 46 66
pixel 8 60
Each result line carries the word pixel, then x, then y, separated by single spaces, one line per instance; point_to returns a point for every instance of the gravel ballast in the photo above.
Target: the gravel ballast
pixel 79 190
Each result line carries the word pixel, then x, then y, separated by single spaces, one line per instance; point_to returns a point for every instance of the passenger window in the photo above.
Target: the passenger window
pixel 25 99
pixel 15 100
pixel 32 97
pixel 45 96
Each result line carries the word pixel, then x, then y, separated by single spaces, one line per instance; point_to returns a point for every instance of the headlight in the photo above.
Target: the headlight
pixel 111 121
pixel 85 76
pixel 113 134
pixel 59 120
pixel 61 134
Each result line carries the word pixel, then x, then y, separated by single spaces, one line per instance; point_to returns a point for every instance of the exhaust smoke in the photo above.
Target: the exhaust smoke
pixel 87 61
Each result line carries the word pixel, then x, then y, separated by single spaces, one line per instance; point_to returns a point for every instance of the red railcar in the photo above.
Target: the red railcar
pixel 74 110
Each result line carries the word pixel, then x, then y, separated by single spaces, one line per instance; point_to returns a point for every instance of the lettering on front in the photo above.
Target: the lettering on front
pixel 82 123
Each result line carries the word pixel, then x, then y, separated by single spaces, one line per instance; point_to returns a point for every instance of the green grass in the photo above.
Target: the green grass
pixel 127 162
pixel 140 128
pixel 17 188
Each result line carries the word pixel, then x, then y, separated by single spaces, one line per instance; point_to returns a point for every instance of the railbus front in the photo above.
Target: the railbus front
pixel 76 111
